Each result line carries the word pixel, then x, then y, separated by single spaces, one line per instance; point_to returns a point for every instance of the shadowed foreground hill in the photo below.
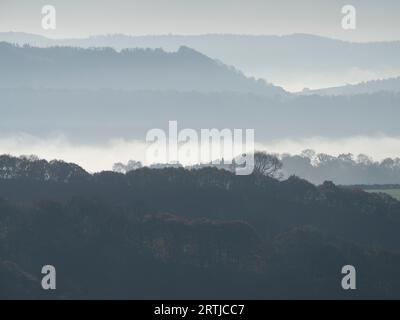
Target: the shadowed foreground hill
pixel 174 233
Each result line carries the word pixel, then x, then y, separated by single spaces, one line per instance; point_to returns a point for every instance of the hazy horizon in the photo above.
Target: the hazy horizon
pixel 102 156
pixel 49 36
pixel 377 20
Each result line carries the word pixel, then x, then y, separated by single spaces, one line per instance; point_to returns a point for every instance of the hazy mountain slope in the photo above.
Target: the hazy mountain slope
pixel 97 116
pixel 22 38
pixel 138 69
pixel 296 60
pixel 369 87
pixel 247 49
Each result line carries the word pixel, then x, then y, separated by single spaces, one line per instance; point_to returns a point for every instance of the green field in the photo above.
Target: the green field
pixel 395 193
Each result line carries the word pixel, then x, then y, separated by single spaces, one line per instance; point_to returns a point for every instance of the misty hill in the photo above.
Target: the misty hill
pixel 345 169
pixel 97 116
pixel 293 59
pixel 135 69
pixel 369 87
pixel 159 233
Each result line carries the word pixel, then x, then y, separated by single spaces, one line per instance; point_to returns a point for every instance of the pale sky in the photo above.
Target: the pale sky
pixel 377 20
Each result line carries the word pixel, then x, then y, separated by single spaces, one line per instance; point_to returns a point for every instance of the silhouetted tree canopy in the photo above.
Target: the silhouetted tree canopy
pixel 159 233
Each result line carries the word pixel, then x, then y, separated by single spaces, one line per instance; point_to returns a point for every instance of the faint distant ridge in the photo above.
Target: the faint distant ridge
pixel 173 41
pixel 129 69
pixel 368 87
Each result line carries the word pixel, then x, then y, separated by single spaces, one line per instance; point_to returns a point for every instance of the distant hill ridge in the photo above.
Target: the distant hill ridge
pixel 129 69
pixel 295 60
pixel 368 87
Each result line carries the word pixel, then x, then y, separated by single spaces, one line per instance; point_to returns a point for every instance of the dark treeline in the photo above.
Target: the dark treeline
pixel 175 233
pixel 345 169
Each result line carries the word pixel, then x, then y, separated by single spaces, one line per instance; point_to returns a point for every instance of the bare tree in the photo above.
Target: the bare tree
pixel 267 165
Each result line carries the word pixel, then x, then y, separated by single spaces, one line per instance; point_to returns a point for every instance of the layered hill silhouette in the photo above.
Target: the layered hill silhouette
pixel 244 50
pixel 369 87
pixel 86 116
pixel 100 94
pixel 296 58
pixel 161 233
pixel 135 69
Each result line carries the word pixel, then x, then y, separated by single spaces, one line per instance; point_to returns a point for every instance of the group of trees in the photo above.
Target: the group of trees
pixel 345 169
pixel 265 164
pixel 177 233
